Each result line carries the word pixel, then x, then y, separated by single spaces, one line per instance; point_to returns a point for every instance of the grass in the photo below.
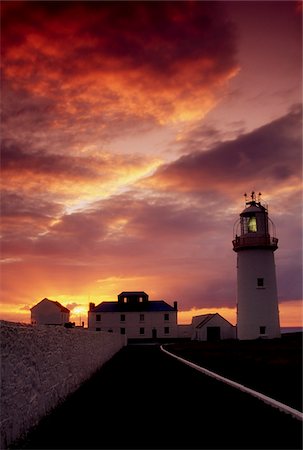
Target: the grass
pixel 272 367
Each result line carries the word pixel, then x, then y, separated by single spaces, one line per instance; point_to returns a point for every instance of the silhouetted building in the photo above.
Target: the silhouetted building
pixel 135 316
pixel 49 312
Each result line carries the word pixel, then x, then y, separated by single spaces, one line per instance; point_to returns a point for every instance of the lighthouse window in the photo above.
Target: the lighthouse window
pixel 260 282
pixel 262 330
pixel 252 225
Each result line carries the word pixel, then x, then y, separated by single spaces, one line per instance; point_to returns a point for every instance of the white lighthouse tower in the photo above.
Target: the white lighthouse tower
pixel 257 298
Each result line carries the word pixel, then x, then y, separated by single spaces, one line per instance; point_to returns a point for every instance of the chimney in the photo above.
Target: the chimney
pixel 176 306
pixel 91 306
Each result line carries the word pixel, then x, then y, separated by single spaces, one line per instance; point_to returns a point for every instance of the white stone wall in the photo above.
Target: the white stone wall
pixel 41 365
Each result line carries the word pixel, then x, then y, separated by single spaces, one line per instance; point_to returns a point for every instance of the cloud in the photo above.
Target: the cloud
pixel 268 156
pixel 161 60
pixel 41 177
pixel 25 308
pixel 48 165
pixel 174 242
pixel 71 306
pixel 179 231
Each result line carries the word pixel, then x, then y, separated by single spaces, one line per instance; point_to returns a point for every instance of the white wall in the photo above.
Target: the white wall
pixel 185 331
pixel 257 306
pixel 41 365
pixel 132 323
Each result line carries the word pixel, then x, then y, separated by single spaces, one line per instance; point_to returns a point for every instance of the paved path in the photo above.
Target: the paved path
pixel 144 399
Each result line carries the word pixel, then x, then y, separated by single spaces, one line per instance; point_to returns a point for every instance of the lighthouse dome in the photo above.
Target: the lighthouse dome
pixel 252 209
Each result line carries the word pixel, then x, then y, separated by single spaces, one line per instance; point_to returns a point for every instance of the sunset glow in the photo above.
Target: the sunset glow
pixel 130 132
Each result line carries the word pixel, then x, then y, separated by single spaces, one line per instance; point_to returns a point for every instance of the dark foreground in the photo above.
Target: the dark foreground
pixel 144 399
pixel 270 366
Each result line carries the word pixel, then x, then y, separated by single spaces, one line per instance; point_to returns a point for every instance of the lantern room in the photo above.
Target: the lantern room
pixel 256 229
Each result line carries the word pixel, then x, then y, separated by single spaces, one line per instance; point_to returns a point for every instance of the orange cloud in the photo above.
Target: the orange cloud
pixel 291 313
pixel 146 64
pixel 78 180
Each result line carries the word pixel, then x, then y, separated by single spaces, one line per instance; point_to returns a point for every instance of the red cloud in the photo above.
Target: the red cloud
pixel 165 60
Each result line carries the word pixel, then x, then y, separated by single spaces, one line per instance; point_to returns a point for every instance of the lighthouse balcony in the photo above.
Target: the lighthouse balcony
pixel 243 242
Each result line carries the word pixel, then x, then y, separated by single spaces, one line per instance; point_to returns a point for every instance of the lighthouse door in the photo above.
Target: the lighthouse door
pixel 213 334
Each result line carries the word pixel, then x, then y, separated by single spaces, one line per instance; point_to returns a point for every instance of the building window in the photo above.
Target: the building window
pixel 98 329
pixel 110 330
pixel 252 225
pixel 166 316
pixel 141 330
pixel 166 330
pixel 141 317
pixel 140 299
pixel 122 317
pixel 98 317
pixel 122 330
pixel 260 282
pixel 249 224
pixel 262 330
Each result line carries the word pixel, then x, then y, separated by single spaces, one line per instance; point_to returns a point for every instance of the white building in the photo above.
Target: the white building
pixel 185 331
pixel 212 327
pixel 135 316
pixel 257 298
pixel 49 312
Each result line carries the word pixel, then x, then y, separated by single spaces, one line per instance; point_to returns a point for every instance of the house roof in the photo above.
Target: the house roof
pixel 150 306
pixel 205 318
pixel 62 308
pixel 126 293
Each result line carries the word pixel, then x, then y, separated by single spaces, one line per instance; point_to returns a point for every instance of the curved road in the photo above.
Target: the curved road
pixel 144 399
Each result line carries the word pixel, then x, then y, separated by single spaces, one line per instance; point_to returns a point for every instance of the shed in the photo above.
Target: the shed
pixel 212 327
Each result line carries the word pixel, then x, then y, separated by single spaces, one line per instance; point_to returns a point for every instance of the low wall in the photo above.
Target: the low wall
pixel 41 365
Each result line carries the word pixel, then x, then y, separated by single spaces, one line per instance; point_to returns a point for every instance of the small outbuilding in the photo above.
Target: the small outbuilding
pixel 49 312
pixel 212 327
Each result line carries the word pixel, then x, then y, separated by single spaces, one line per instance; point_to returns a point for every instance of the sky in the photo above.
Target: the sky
pixel 130 132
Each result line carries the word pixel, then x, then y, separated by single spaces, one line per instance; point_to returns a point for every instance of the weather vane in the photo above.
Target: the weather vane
pixel 253 197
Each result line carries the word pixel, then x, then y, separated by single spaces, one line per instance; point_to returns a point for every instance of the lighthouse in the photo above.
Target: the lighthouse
pixel 257 298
